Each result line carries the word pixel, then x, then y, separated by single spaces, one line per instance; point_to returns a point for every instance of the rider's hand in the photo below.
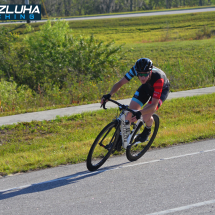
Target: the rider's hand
pixel 138 115
pixel 105 98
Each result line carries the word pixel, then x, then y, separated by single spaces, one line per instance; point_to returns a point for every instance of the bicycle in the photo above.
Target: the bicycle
pixel 110 139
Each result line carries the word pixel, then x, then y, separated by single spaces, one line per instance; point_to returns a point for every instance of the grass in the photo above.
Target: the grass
pixel 188 65
pixel 137 30
pixel 168 40
pixel 146 29
pixel 38 145
pixel 184 70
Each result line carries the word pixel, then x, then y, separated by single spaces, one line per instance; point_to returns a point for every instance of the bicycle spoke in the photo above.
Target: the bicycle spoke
pixel 109 140
pixel 102 147
pixel 137 149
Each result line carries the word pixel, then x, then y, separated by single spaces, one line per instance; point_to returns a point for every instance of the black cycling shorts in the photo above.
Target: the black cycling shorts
pixel 144 95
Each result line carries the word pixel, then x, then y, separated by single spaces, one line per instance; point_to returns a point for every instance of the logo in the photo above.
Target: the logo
pixel 20 12
pixel 136 94
pixel 156 93
pixel 123 129
pixel 130 74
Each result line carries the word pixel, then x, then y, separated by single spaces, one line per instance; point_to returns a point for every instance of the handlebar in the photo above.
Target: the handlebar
pixel 124 107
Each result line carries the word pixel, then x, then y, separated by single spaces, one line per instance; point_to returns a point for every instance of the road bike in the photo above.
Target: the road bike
pixel 110 139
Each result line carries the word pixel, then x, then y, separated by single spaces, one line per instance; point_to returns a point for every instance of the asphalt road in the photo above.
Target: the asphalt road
pixel 132 15
pixel 174 180
pixel 51 114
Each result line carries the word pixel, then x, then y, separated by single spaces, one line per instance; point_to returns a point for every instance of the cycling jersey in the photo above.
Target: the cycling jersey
pixel 156 87
pixel 157 82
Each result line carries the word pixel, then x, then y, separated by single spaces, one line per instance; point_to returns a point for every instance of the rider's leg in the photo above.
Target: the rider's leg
pixel 147 118
pixel 138 100
pixel 134 106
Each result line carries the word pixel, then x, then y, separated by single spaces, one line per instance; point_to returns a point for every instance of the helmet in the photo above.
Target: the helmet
pixel 143 65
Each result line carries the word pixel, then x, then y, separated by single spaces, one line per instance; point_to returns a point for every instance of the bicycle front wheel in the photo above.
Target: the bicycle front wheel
pixel 136 149
pixel 103 146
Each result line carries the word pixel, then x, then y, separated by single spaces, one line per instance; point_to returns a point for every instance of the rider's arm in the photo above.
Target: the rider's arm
pixel 118 85
pixel 128 76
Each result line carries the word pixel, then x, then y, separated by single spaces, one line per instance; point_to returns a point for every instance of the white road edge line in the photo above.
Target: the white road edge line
pixel 104 170
pixel 184 207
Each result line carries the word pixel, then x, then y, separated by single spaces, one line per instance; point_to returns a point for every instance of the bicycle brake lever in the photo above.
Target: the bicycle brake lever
pixel 103 105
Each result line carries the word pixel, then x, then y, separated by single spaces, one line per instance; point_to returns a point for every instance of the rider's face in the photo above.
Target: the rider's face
pixel 144 79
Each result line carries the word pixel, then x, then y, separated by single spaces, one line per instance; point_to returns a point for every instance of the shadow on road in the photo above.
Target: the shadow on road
pixel 52 184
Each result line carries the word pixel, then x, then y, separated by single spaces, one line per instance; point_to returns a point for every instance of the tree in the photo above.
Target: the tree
pixel 86 7
pixel 131 2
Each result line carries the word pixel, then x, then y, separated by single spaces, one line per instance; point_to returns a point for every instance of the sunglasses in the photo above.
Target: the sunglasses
pixel 143 74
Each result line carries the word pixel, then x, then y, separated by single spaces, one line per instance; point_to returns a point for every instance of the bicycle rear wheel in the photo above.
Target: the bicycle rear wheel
pixel 103 146
pixel 135 150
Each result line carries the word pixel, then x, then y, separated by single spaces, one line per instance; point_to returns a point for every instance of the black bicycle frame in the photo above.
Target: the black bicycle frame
pixel 115 133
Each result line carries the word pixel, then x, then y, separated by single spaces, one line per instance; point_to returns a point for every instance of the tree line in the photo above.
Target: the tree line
pixel 56 8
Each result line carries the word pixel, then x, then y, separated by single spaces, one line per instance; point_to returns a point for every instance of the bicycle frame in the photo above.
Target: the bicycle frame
pixel 125 110
pixel 97 159
pixel 130 137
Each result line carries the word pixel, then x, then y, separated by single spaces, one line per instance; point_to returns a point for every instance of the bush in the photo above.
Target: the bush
pixel 205 32
pixel 13 97
pixel 6 51
pixel 53 56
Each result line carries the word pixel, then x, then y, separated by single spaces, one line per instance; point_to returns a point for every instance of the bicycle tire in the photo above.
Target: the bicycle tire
pixel 100 151
pixel 133 151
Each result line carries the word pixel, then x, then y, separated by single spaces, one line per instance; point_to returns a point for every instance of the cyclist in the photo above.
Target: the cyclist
pixel 153 91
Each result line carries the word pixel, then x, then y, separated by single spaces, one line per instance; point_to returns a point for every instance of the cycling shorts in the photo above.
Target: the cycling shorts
pixel 144 95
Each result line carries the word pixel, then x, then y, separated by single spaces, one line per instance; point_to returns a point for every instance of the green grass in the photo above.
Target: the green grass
pixel 38 145
pixel 170 41
pixel 141 29
pixel 146 29
pixel 188 65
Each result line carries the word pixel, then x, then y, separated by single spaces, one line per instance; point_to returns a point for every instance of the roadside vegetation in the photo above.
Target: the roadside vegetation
pixel 68 8
pixel 139 29
pixel 37 145
pixel 60 64
pixel 178 27
pixel 44 66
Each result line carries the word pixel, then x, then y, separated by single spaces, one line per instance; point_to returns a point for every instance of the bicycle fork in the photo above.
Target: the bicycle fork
pixel 132 136
pixel 108 146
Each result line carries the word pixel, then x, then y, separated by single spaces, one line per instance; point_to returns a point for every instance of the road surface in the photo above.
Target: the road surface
pixel 51 114
pixel 160 13
pixel 175 180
